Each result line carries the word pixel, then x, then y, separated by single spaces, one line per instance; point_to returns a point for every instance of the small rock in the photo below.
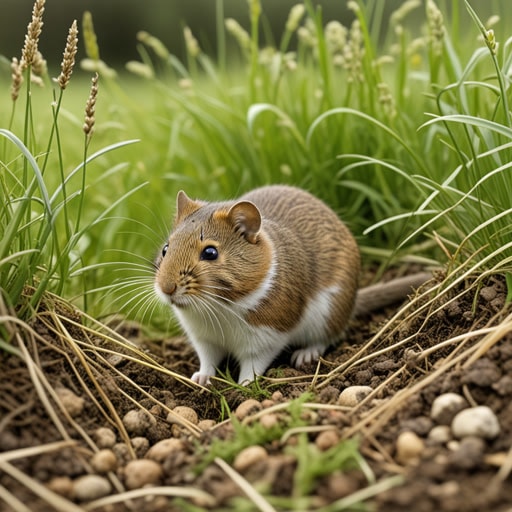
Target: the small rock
pixel 488 293
pixel 477 421
pixel 62 485
pixel 409 448
pixel 91 487
pixel 182 411
pixel 104 437
pixel 277 396
pixel 137 421
pixel 440 434
pixel 159 451
pixel 453 445
pixel 446 406
pixel 353 395
pixel 8 441
pixel 140 445
pixel 104 461
pixel 482 373
pixel 444 490
pixel 269 420
pixel 420 425
pixel 122 453
pixel 327 439
pixel 453 309
pixel 469 453
pixel 141 472
pixel 249 456
pixel 504 386
pixel 206 424
pixel 73 404
pixel 246 408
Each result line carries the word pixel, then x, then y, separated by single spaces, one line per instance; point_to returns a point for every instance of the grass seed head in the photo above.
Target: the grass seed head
pixel 68 59
pixel 399 15
pixel 353 53
pixel 90 40
pixel 34 29
pixel 490 41
pixel 154 43
pixel 335 37
pixel 296 14
pixel 17 78
pixel 90 108
pixel 239 33
pixel 435 26
pixel 191 43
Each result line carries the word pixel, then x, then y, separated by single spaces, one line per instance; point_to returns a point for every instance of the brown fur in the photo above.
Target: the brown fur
pixel 313 248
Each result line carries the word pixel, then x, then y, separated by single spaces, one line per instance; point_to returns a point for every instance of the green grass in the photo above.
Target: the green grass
pixel 407 150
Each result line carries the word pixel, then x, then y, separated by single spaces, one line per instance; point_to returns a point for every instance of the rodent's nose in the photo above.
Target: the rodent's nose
pixel 169 288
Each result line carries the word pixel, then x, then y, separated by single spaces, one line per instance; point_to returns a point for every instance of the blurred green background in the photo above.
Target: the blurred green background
pixel 118 21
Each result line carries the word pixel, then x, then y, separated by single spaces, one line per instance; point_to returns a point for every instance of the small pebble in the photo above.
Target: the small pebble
pixel 249 456
pixel 104 461
pixel 446 406
pixel 91 487
pixel 73 404
pixel 269 420
pixel 182 411
pixel 141 472
pixel 122 453
pixel 206 424
pixel 137 421
pixel 140 445
pixel 444 490
pixel 104 437
pixel 246 408
pixel 477 421
pixel 488 293
pixel 353 395
pixel 469 454
pixel 483 373
pixel 62 485
pixel 160 450
pixel 420 425
pixel 277 396
pixel 340 485
pixel 327 439
pixel 504 386
pixel 440 434
pixel 409 448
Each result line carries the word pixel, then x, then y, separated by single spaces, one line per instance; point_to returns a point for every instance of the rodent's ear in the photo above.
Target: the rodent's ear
pixel 246 219
pixel 185 206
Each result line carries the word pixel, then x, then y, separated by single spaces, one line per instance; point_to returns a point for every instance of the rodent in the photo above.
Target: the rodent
pixel 252 276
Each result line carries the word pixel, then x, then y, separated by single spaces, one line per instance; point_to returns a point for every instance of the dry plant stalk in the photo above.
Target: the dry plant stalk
pixel 29 55
pixel 68 59
pixel 90 108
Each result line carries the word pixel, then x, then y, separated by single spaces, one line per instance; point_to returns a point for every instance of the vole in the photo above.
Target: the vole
pixel 272 269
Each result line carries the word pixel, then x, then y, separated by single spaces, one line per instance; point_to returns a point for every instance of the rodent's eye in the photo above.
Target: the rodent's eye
pixel 164 250
pixel 209 253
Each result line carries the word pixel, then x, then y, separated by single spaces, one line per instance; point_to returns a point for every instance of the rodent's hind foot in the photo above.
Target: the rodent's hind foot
pixel 307 355
pixel 203 379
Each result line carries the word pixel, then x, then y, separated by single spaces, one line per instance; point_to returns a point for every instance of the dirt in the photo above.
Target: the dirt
pixel 456 475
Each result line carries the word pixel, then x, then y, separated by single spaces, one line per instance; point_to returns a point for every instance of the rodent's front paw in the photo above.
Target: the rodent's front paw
pixel 203 379
pixel 306 355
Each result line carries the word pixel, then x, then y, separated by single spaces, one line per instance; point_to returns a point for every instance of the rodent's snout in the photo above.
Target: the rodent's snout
pixel 168 288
